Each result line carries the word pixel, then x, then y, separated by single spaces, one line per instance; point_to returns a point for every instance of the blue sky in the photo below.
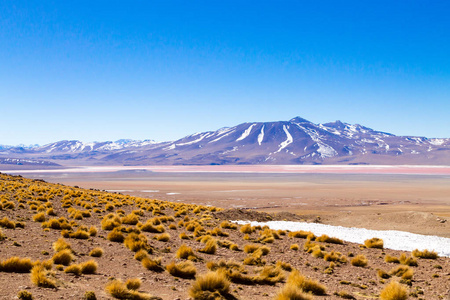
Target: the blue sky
pixel 105 70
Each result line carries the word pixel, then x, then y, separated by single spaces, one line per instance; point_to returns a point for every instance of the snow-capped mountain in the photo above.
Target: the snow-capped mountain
pixel 297 141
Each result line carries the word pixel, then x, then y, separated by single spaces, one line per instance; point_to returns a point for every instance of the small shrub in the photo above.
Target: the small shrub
pixel 326 239
pixel 291 292
pixel 133 283
pixel 307 285
pixel 74 269
pixel 164 237
pixel 16 265
pixel 24 295
pixel 115 236
pixel 63 257
pixel 39 276
pixel 294 247
pixel 391 259
pixel 359 261
pixel 394 291
pixel 184 269
pixel 89 295
pixel 40 217
pixel 60 244
pixel 96 252
pixel 93 231
pixel 345 295
pixel 185 252
pixel 152 264
pixel 140 255
pixel 210 247
pixel 374 243
pixel 408 261
pixel 425 254
pixel 207 285
pixel 89 267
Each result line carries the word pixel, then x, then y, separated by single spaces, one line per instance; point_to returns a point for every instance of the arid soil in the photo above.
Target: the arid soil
pixel 430 279
pixel 414 203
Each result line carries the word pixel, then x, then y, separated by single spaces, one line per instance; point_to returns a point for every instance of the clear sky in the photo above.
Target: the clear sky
pixel 105 70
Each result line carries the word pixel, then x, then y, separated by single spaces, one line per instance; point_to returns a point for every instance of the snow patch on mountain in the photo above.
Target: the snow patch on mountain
pixel 246 133
pixel 261 135
pixel 288 141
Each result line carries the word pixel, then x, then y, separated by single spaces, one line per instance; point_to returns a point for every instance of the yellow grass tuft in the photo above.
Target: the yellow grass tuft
pixel 425 254
pixel 16 265
pixel 307 285
pixel 89 267
pixel 96 252
pixel 116 236
pixel 60 244
pixel 326 239
pixel 391 259
pixel 210 247
pixel 374 243
pixel 408 261
pixel 133 283
pixel 39 217
pixel 39 276
pixel 184 269
pixel 207 285
pixel 185 252
pixel 152 264
pixel 291 292
pixel 359 261
pixel 63 257
pixel 394 291
pixel 74 269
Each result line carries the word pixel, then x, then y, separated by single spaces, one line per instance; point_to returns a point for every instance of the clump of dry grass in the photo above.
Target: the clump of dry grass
pixel 326 239
pixel 63 257
pixel 185 252
pixel 404 272
pixel 270 275
pixel 74 269
pixel 307 285
pixel 116 236
pixel 294 247
pixel 210 247
pixel 96 252
pixel 210 285
pixel 407 260
pixel 136 242
pixel 89 267
pixel 184 269
pixel 391 259
pixel 374 243
pixel 39 217
pixel 60 245
pixel 152 264
pixel 394 291
pixel 39 276
pixel 300 234
pixel 359 261
pixel 24 295
pixel 16 265
pixel 119 290
pixel 133 283
pixel 246 229
pixel 425 254
pixel 291 292
pixel 164 237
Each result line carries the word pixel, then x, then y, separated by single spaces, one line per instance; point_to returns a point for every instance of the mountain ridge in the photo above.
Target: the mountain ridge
pixel 297 141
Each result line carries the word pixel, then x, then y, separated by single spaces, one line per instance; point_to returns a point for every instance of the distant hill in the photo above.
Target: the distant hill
pixel 297 141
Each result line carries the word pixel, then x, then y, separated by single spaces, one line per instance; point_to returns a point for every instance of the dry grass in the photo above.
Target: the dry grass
pixel 60 245
pixel 89 267
pixel 374 243
pixel 185 252
pixel 326 239
pixel 210 284
pixel 391 259
pixel 359 261
pixel 394 291
pixel 307 285
pixel 116 236
pixel 96 252
pixel 152 264
pixel 74 269
pixel 291 292
pixel 39 276
pixel 63 257
pixel 133 283
pixel 425 254
pixel 210 247
pixel 16 265
pixel 184 269
pixel 407 260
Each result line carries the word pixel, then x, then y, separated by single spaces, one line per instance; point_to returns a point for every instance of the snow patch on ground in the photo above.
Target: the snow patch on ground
pixel 393 239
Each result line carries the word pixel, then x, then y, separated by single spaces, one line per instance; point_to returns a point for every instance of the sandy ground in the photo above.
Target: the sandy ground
pixel 407 202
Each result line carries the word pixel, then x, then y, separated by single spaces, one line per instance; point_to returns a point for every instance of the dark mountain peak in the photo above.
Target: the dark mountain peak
pixel 299 120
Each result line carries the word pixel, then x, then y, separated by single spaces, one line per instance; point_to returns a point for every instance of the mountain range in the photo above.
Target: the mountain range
pixel 297 141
